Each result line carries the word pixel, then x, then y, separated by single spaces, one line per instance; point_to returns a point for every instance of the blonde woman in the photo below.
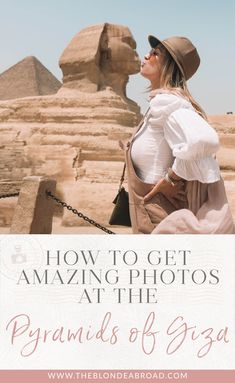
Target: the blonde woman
pixel 173 176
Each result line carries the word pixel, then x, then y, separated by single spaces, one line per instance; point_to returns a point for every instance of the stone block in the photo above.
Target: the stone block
pixel 34 210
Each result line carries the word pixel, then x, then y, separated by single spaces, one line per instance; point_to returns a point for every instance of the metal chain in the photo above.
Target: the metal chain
pixel 79 214
pixel 9 195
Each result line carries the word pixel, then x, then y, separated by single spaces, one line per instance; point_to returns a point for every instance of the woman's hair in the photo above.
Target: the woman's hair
pixel 173 80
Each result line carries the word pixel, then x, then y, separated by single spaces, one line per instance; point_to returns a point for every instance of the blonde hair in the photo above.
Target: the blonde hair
pixel 173 80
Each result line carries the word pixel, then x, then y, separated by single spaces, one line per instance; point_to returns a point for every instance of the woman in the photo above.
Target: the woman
pixel 173 176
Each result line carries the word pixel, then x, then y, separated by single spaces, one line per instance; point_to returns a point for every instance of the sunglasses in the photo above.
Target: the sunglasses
pixel 154 52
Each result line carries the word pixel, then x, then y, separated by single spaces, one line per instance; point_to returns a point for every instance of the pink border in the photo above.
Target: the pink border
pixel 94 376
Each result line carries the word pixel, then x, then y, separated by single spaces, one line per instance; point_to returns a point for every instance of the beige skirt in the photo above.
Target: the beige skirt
pixel 206 210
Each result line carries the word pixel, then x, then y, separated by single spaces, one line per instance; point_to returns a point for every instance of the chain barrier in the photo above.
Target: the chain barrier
pixel 79 214
pixel 9 195
pixel 70 208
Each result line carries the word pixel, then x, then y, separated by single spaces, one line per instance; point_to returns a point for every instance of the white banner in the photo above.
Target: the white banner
pixel 117 302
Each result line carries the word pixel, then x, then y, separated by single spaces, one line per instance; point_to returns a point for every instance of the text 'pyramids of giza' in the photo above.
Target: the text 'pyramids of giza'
pixel 28 77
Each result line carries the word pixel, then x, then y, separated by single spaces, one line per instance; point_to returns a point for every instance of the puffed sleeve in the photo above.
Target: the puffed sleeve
pixel 162 105
pixel 194 144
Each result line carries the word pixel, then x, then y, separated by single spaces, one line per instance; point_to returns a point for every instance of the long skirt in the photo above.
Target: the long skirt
pixel 205 211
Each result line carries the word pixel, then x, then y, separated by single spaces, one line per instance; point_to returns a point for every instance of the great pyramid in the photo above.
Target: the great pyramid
pixel 29 77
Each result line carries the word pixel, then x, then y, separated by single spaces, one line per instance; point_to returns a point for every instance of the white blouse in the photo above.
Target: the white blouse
pixel 175 135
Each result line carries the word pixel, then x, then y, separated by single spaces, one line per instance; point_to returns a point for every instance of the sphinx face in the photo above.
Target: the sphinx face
pixel 98 56
pixel 118 51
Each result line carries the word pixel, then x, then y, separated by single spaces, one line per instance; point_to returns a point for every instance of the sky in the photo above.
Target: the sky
pixel 43 28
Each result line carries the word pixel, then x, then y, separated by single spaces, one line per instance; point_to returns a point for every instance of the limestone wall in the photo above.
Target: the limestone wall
pixel 68 137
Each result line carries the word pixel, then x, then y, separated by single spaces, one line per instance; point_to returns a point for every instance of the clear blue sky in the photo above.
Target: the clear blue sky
pixel 43 28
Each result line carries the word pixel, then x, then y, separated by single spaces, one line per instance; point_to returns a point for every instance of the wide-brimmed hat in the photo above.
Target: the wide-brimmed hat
pixel 182 51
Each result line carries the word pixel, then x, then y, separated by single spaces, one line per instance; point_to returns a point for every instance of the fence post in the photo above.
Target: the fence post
pixel 34 210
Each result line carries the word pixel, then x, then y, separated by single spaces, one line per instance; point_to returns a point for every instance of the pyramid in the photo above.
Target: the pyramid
pixel 28 77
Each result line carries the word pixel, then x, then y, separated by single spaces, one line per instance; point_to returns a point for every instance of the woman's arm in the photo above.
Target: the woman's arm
pixel 172 186
pixel 194 144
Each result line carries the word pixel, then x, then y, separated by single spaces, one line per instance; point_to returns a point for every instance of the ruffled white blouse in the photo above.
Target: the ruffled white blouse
pixel 175 135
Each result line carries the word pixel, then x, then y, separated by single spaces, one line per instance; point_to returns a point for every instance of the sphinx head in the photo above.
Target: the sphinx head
pixel 98 57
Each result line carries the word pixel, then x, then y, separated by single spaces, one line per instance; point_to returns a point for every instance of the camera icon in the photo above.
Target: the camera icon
pixel 18 257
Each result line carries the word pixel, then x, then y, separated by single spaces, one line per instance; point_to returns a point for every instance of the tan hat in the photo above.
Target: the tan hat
pixel 183 52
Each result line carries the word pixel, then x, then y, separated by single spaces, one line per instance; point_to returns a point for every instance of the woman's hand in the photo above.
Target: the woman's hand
pixel 175 192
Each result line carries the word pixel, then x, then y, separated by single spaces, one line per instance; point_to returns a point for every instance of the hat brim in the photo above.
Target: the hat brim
pixel 154 42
